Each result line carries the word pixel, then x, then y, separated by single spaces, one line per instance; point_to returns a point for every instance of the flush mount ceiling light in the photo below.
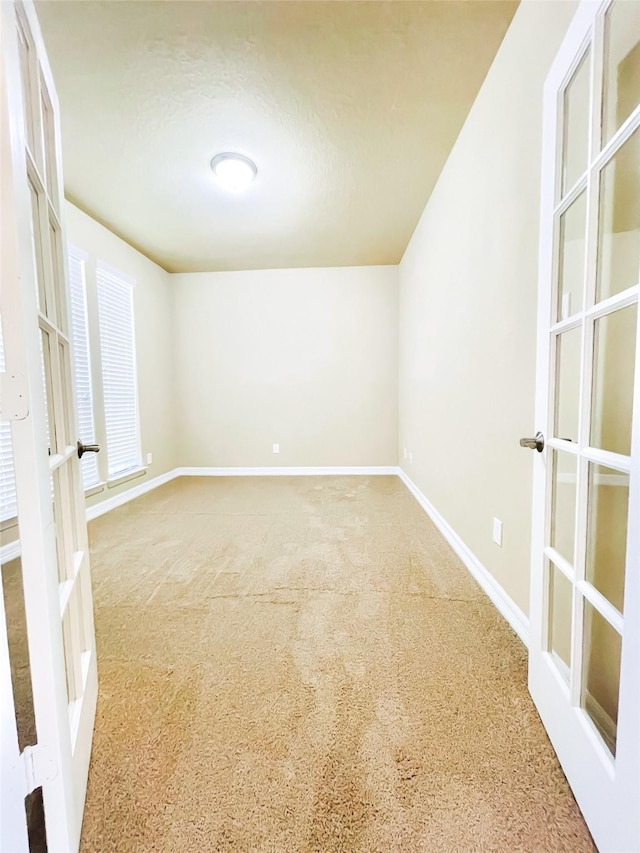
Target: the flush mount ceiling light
pixel 234 171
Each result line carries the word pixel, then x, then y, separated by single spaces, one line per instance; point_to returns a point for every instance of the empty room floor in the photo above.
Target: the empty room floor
pixel 303 664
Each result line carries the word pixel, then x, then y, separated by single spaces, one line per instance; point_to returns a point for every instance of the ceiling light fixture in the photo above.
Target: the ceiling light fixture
pixel 234 171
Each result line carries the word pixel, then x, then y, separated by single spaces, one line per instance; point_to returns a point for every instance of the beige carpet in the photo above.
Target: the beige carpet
pixel 302 664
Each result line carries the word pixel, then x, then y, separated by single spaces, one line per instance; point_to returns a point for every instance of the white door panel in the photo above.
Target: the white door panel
pixel 584 664
pixel 51 514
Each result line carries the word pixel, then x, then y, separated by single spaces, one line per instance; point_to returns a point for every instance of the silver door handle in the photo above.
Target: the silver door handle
pixel 87 448
pixel 535 443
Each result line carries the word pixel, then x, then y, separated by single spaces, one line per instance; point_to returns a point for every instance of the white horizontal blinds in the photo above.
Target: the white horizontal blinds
pixel 117 349
pixel 8 504
pixel 82 364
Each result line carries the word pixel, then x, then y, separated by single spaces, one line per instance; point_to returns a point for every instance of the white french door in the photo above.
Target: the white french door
pixel 584 663
pixel 38 400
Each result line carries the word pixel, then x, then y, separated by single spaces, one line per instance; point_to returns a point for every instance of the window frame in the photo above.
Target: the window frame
pixel 112 480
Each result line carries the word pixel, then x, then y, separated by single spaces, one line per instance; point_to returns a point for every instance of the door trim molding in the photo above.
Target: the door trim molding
pixel 503 602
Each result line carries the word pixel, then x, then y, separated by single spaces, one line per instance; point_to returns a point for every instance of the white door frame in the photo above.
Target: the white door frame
pixel 59 762
pixel 606 789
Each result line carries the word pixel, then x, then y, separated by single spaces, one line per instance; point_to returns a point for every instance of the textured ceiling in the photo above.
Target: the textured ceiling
pixel 349 110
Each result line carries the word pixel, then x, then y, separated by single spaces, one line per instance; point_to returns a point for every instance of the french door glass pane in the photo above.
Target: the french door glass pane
pixel 45 359
pixel 67 430
pixel 72 511
pixel 619 229
pixel 608 510
pixel 613 375
pixel 61 544
pixel 567 384
pixel 8 496
pixel 602 649
pixel 621 65
pixel 563 503
pixel 82 367
pixel 576 125
pixel 25 79
pixel 560 609
pixel 57 276
pixel 48 140
pixel 573 225
pixel 69 662
pixel 75 642
pixel 36 244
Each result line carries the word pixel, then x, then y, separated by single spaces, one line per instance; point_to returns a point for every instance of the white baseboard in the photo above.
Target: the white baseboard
pixel 302 471
pixel 129 494
pixel 503 602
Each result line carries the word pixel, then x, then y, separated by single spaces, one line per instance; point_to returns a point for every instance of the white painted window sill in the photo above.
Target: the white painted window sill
pixel 128 475
pixel 8 524
pixel 95 489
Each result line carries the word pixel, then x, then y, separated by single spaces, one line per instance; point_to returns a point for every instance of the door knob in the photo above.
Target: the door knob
pixel 87 448
pixel 535 443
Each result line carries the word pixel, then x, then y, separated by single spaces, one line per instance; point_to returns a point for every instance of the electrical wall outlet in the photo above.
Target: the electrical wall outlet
pixel 497 532
pixel 276 448
pixel 149 458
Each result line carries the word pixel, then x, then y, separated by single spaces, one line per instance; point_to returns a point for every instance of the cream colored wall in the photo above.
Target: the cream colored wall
pixel 153 330
pixel 468 288
pixel 306 358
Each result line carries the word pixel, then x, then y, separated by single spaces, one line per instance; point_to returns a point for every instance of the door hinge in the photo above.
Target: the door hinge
pixel 39 767
pixel 13 397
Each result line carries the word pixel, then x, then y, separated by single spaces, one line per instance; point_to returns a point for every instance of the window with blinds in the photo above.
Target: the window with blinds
pixel 117 353
pixel 8 500
pixel 82 363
